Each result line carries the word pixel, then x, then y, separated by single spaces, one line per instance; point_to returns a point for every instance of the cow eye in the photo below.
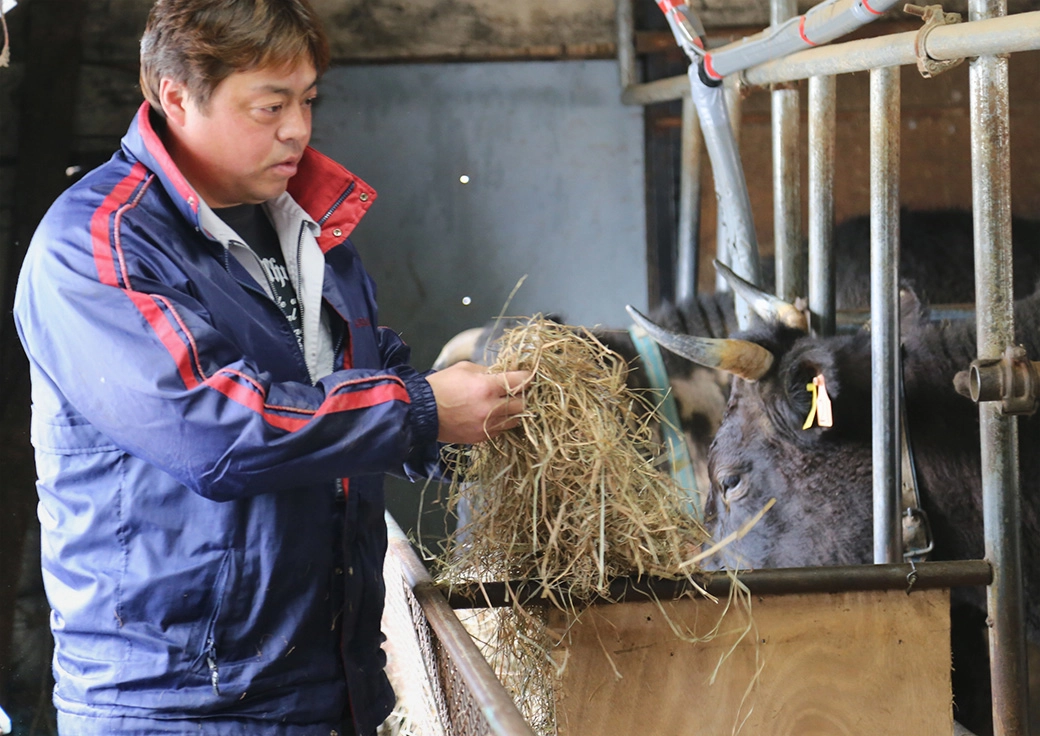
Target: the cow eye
pixel 731 486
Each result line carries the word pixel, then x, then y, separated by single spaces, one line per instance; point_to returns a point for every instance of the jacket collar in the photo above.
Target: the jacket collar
pixel 328 193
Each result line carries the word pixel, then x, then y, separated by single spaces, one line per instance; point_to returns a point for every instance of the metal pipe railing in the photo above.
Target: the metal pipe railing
pixel 1004 35
pixel 689 203
pixel 991 206
pixel 780 581
pixel 884 310
pixel 822 136
pixel 489 695
pixel 988 34
pixel 788 245
pixel 820 25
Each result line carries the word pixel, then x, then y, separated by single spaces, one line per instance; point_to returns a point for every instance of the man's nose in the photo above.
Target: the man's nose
pixel 296 124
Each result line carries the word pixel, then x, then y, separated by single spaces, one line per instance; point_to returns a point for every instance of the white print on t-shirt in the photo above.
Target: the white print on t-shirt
pixel 275 272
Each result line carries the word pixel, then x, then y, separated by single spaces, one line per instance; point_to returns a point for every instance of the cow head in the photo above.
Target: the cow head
pixel 819 476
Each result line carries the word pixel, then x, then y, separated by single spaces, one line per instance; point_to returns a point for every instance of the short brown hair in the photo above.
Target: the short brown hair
pixel 202 42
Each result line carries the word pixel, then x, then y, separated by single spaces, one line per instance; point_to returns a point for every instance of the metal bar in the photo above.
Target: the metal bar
pixel 689 203
pixel 1019 32
pixel 1001 503
pixel 837 579
pixel 884 310
pixel 495 704
pixel 822 134
pixel 626 45
pixel 820 25
pixel 850 320
pixel 788 246
pixel 730 222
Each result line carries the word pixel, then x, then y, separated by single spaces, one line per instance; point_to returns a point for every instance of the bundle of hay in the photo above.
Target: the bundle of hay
pixel 576 495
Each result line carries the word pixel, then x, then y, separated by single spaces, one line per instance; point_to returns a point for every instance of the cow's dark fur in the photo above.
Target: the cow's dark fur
pixel 821 478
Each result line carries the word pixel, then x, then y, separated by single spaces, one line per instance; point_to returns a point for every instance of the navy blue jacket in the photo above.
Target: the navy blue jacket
pixel 213 530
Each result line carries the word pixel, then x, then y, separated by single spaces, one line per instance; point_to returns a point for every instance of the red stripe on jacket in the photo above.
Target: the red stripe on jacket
pixel 252 397
pixel 101 232
pixel 180 343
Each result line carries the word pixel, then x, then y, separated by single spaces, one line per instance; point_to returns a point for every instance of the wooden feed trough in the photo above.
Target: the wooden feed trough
pixel 861 662
pixel 864 659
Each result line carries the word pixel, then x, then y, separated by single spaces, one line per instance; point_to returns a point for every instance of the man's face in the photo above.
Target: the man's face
pixel 244 144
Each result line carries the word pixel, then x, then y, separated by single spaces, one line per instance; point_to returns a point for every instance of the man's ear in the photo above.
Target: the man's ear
pixel 173 96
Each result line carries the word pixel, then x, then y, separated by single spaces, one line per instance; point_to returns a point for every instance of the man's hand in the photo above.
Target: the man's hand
pixel 474 405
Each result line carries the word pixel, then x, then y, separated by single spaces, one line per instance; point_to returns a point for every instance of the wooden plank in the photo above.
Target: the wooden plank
pixel 426 30
pixel 846 663
pixel 377 30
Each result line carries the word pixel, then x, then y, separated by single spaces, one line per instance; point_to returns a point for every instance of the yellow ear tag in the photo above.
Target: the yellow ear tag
pixel 824 417
pixel 811 388
pixel 821 403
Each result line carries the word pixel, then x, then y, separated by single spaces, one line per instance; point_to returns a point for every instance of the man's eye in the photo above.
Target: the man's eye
pixel 271 108
pixel 311 101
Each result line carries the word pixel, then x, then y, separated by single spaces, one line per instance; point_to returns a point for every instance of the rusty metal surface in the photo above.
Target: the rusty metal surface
pixel 822 136
pixel 884 310
pixel 926 575
pixel 689 203
pixel 459 694
pixel 991 205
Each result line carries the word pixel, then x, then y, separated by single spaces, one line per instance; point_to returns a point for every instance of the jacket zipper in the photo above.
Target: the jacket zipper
pixel 336 204
pixel 211 660
pixel 299 301
pixel 299 297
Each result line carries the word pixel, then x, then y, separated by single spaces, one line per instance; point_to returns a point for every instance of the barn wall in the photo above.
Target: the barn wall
pixel 555 194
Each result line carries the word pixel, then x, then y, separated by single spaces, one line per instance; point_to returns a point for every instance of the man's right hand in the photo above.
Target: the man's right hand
pixel 474 405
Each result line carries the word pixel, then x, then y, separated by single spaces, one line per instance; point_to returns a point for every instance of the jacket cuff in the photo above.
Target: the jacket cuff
pixel 422 413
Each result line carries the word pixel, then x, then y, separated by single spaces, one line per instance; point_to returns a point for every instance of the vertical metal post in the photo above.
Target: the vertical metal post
pixel 626 48
pixel 884 310
pixel 822 132
pixel 689 202
pixel 788 246
pixel 734 109
pixel 991 204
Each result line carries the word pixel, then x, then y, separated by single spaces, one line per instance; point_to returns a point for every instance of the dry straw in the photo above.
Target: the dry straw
pixel 576 495
pixel 573 498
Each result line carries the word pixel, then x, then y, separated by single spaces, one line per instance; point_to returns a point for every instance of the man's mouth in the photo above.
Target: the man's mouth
pixel 286 168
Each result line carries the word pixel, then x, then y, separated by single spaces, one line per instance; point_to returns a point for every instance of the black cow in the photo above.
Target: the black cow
pixel 936 260
pixel 821 477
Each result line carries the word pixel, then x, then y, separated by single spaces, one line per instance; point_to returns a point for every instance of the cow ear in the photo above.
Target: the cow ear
pixel 912 311
pixel 811 382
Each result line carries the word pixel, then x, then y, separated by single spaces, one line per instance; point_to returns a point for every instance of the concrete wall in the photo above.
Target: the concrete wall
pixel 555 193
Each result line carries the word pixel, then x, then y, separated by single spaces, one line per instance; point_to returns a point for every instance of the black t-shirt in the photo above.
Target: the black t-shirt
pixel 252 224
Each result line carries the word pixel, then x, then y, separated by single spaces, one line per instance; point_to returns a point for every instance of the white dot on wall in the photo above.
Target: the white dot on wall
pixel 466 301
pixel 464 179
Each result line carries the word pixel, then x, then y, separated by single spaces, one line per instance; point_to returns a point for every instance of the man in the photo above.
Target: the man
pixel 214 407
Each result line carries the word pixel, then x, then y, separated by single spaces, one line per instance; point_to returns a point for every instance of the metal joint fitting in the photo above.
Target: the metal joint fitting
pixel 1012 379
pixel 933 16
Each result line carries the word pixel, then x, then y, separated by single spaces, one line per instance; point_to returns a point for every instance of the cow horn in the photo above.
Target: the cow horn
pixel 742 358
pixel 765 305
pixel 460 347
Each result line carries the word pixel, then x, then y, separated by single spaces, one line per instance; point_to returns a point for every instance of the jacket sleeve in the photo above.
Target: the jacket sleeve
pixel 138 359
pixel 425 459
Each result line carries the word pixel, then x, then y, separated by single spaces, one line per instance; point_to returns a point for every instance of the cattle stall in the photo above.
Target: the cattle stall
pixel 987 37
